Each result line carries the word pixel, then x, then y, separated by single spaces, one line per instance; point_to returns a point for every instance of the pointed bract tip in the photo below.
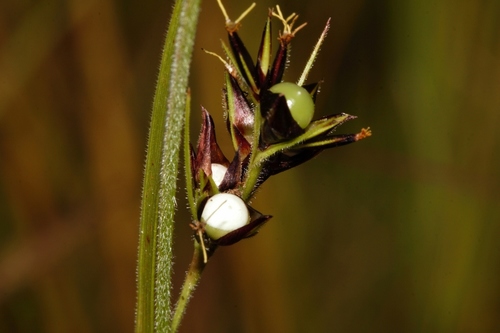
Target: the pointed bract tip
pixel 288 22
pixel 365 132
pixel 232 26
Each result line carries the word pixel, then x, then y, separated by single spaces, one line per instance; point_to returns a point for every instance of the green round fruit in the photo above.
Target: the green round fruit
pixel 299 102
pixel 223 213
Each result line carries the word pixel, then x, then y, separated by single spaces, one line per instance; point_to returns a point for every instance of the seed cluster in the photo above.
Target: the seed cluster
pixel 271 127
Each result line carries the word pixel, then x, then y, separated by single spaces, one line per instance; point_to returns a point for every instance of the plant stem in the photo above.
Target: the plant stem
pixel 253 177
pixel 191 281
pixel 160 175
pixel 255 166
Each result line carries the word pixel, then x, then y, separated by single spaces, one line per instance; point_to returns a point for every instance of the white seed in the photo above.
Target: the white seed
pixel 224 213
pixel 218 172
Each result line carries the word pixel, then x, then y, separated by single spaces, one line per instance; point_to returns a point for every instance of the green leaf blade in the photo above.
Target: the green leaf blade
pixel 160 175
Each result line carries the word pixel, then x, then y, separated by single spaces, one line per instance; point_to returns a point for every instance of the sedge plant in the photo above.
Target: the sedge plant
pixel 272 127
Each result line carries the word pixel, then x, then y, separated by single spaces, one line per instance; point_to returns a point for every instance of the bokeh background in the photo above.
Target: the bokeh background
pixel 397 233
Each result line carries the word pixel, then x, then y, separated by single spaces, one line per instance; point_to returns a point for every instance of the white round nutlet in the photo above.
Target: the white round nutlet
pixel 223 213
pixel 218 172
pixel 299 101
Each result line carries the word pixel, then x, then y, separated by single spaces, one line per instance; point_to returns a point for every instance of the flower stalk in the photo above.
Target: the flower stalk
pixel 193 275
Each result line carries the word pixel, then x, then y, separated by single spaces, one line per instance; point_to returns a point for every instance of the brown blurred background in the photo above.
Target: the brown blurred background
pixel 397 233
